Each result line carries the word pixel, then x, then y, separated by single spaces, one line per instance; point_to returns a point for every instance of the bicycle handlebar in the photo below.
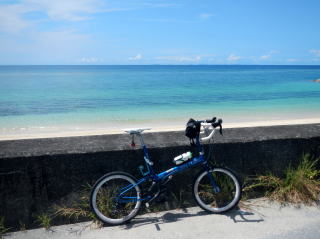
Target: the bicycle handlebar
pixel 206 124
pixel 211 121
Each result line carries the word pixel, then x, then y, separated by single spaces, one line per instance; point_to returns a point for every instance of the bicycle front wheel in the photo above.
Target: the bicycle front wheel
pixel 217 190
pixel 115 198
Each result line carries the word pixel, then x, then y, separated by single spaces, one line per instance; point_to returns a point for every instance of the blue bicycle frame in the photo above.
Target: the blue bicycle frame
pixel 163 176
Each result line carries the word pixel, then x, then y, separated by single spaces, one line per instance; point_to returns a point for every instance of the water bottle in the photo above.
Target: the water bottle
pixel 182 158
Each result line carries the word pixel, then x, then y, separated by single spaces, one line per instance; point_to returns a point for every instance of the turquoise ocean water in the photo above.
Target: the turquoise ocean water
pixel 76 96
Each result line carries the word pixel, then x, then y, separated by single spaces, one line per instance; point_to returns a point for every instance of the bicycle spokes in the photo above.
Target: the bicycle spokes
pixel 217 190
pixel 110 204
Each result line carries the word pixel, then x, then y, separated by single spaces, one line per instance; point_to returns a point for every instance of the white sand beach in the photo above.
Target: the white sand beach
pixel 31 133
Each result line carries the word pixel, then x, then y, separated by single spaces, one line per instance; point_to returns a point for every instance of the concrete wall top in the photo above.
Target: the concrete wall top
pixel 103 143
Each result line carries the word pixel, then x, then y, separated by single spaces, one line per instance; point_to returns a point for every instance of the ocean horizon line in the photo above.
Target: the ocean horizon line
pixel 6 65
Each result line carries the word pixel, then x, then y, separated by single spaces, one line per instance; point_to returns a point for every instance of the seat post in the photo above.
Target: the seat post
pixel 141 140
pixel 146 154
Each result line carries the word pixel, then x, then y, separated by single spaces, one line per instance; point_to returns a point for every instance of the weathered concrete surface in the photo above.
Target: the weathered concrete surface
pixel 36 173
pixel 102 143
pixel 261 221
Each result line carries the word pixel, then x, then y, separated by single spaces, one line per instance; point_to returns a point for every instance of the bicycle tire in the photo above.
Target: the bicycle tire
pixel 204 193
pixel 107 213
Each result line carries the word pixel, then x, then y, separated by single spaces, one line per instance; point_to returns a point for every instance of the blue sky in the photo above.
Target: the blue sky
pixel 159 32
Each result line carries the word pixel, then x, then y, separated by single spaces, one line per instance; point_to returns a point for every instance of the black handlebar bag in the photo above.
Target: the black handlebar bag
pixel 192 130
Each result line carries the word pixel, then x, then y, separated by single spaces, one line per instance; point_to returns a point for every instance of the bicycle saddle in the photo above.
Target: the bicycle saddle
pixel 135 131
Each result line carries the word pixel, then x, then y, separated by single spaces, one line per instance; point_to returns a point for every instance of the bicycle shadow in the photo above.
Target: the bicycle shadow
pixel 236 215
pixel 241 215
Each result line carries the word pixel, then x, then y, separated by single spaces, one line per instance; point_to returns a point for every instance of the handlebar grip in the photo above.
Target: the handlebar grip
pixel 219 123
pixel 216 124
pixel 212 120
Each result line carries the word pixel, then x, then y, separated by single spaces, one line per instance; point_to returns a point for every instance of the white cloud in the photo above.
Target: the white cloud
pixel 291 60
pixel 50 47
pixel 315 52
pixel 206 15
pixel 268 56
pixel 11 18
pixel 13 15
pixel 56 40
pixel 233 57
pixel 136 58
pixel 90 60
pixel 157 5
pixel 265 57
pixel 180 58
pixel 189 59
pixel 70 10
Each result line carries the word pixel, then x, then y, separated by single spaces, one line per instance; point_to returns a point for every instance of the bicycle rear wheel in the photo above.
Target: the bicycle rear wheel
pixel 115 198
pixel 217 190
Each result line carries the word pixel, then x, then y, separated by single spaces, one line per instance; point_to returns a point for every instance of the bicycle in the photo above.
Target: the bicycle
pixel 117 196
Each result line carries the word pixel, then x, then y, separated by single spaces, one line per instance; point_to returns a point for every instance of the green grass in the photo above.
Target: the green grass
pixel 3 228
pixel 180 198
pixel 44 220
pixel 77 207
pixel 298 185
pixel 22 226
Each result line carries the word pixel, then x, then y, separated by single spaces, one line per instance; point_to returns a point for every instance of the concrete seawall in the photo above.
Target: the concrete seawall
pixel 36 173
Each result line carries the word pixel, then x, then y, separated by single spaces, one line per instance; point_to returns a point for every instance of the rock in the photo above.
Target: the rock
pixel 316 80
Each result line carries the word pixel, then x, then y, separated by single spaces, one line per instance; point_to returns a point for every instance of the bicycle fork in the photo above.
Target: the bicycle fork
pixel 214 185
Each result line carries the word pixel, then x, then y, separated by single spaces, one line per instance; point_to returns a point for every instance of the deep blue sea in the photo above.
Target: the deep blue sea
pixel 74 96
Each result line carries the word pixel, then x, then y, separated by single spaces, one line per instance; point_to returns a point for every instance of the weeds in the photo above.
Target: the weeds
pixel 3 228
pixel 76 206
pixel 299 185
pixel 22 226
pixel 179 198
pixel 44 220
pixel 72 212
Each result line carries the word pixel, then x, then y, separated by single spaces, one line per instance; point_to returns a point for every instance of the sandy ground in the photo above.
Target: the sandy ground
pixel 155 127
